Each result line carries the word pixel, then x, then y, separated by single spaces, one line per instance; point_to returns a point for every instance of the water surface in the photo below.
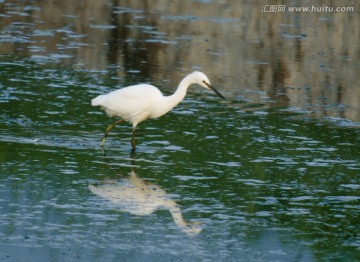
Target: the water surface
pixel 270 174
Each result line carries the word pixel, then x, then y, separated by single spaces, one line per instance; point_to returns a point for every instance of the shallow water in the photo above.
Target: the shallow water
pixel 270 174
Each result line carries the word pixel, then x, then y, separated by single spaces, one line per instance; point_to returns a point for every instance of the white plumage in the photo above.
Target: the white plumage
pixel 140 102
pixel 133 103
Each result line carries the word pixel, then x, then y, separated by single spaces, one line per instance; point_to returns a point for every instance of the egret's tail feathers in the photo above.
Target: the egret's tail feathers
pixel 98 101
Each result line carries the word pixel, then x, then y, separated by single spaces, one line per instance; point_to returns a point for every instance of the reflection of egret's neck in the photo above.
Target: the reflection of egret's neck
pixel 190 228
pixel 176 213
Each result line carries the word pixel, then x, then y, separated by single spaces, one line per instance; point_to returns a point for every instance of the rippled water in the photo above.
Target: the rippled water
pixel 257 184
pixel 245 179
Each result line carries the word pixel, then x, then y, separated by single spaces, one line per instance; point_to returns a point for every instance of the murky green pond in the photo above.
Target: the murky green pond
pixel 272 173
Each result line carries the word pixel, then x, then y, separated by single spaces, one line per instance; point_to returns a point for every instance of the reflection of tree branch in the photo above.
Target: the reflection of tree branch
pixel 113 41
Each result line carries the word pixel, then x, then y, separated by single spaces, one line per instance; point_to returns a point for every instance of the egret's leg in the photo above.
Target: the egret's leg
pixel 133 139
pixel 108 130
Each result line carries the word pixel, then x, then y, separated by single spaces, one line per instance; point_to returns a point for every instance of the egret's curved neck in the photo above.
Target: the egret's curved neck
pixel 180 92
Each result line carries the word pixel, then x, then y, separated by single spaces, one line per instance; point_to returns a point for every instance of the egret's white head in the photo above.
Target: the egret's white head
pixel 201 79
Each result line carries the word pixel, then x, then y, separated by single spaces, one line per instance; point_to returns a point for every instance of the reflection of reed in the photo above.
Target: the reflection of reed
pixel 295 58
pixel 137 197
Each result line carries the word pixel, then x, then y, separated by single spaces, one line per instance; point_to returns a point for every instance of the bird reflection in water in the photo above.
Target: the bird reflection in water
pixel 140 198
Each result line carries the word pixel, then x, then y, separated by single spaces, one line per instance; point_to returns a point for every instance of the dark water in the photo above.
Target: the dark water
pixel 270 174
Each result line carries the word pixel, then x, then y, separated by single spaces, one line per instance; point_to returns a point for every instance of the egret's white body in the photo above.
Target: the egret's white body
pixel 140 102
pixel 134 103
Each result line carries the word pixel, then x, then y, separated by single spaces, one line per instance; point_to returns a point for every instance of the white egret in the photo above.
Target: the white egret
pixel 140 102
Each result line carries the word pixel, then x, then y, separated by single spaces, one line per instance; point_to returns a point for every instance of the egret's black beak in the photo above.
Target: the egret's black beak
pixel 213 89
